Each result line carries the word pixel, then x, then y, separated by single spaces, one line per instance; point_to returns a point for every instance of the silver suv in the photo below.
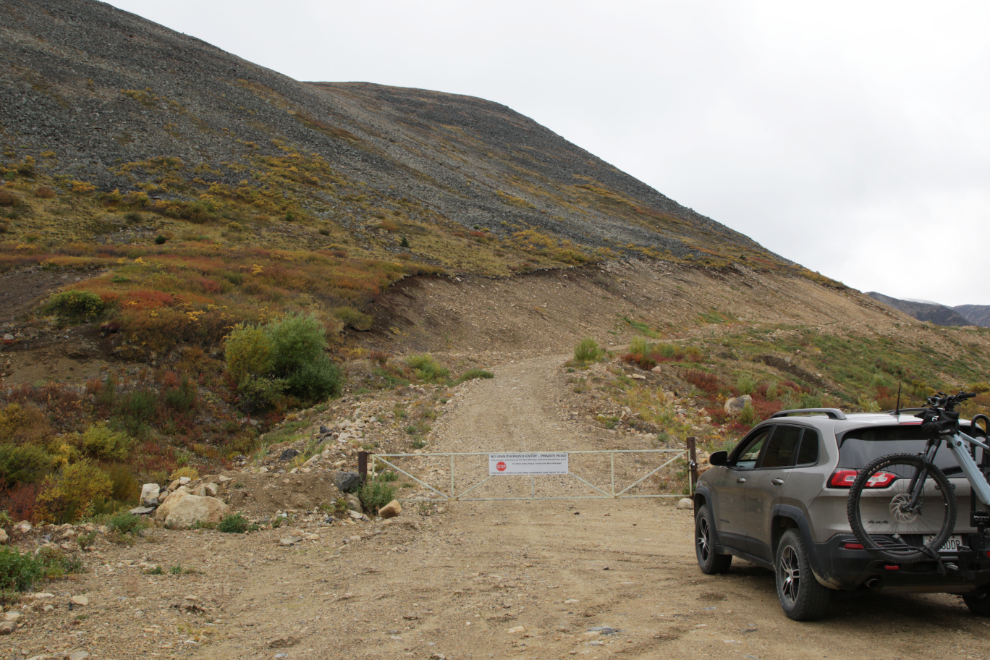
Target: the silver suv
pixel 779 500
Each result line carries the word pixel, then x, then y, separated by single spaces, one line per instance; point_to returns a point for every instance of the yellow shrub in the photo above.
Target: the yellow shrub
pixel 101 442
pixel 70 495
pixel 23 425
pixel 248 352
pixel 184 472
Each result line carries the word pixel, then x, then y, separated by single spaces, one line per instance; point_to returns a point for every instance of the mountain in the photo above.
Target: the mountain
pixel 923 311
pixel 96 96
pixel 976 314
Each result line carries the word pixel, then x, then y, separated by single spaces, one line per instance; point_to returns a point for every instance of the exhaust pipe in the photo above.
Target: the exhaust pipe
pixel 873 582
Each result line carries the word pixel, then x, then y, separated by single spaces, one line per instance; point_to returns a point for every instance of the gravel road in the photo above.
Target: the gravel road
pixel 520 579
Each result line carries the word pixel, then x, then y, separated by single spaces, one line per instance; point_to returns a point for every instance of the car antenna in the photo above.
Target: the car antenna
pixel 897 411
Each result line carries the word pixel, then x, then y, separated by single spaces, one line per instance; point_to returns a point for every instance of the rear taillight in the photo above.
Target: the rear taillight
pixel 852 546
pixel 845 479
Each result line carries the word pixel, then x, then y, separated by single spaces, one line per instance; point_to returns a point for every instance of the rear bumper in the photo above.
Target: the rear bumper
pixel 844 568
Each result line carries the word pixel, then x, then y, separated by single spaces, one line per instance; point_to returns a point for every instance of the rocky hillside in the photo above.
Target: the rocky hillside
pixel 933 312
pixel 102 97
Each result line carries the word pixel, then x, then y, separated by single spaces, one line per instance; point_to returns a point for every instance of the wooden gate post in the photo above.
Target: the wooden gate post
pixel 363 465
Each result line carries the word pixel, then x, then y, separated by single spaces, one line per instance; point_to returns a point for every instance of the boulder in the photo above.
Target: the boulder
pixel 685 503
pixel 288 454
pixel 191 509
pixel 173 498
pixel 390 510
pixel 354 502
pixel 208 489
pixel 149 494
pixel 22 527
pixel 141 510
pixel 347 482
pixel 3 536
pixel 735 405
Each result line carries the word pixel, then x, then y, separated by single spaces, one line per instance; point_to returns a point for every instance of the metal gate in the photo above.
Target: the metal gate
pixel 444 477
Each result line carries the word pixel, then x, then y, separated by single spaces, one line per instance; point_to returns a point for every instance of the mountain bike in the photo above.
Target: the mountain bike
pixel 902 507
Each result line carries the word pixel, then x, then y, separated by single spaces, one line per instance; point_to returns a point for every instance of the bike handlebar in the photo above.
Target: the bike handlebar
pixel 945 401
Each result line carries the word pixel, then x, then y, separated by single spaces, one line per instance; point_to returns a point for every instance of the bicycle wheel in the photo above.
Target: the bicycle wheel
pixel 881 517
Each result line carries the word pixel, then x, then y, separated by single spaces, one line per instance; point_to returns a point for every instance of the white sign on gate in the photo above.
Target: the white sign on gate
pixel 527 464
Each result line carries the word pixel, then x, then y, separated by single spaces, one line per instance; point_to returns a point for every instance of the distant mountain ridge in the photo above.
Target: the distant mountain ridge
pixel 978 314
pixel 936 313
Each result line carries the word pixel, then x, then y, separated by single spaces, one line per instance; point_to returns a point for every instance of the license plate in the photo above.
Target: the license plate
pixel 952 544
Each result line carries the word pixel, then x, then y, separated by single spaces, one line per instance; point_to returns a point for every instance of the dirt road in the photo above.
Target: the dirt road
pixel 542 579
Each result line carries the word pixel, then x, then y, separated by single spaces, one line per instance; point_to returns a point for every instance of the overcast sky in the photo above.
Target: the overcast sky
pixel 851 137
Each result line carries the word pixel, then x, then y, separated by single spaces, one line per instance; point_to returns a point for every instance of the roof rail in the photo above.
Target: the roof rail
pixel 832 413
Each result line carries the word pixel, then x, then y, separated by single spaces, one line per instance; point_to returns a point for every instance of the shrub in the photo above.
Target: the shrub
pixel 748 415
pixel 44 192
pixel 248 352
pixel 126 523
pixel 182 397
pixel 19 572
pixel 296 340
pixel 376 493
pixel 352 318
pixel 259 392
pixel 8 198
pixel 427 369
pixel 235 523
pixel 70 496
pixel 160 240
pixel 184 472
pixel 316 380
pixel 471 374
pixel 99 441
pixel 588 351
pixel 124 487
pixel 23 464
pixel 136 410
pixel 76 305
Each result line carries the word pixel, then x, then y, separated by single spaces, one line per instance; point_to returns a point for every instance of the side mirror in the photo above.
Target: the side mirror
pixel 719 458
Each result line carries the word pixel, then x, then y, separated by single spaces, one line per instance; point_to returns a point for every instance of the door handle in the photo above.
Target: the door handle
pixel 777 482
pixel 741 480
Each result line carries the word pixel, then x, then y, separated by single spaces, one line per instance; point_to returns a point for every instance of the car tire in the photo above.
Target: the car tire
pixel 800 594
pixel 978 601
pixel 709 561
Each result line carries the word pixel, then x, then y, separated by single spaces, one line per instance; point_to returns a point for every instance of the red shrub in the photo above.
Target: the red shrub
pixel 20 502
pixel 704 381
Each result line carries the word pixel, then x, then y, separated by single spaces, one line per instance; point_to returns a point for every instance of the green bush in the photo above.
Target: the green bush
pixel 588 351
pixel 23 464
pixel 99 441
pixel 352 318
pixel 123 486
pixel 136 410
pixel 75 305
pixel 748 415
pixel 235 523
pixel 182 397
pixel 316 380
pixel 258 392
pixel 427 369
pixel 376 493
pixel 471 374
pixel 296 340
pixel 19 572
pixel 127 523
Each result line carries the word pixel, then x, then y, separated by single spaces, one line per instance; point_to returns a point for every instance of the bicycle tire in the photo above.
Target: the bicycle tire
pixel 882 532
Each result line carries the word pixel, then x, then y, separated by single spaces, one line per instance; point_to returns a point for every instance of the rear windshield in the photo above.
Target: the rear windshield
pixel 860 446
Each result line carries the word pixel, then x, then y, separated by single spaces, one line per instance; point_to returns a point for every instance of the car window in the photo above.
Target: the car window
pixel 782 448
pixel 749 450
pixel 808 455
pixel 861 446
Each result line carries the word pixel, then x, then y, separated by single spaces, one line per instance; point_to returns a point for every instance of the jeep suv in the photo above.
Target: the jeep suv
pixel 779 500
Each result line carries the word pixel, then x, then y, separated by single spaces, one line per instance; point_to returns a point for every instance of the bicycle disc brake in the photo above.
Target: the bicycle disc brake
pixel 899 511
